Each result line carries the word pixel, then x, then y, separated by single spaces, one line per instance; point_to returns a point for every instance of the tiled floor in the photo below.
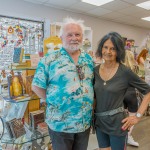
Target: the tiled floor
pixel 141 133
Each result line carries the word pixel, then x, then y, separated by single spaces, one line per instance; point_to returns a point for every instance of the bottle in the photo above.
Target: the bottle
pixel 16 86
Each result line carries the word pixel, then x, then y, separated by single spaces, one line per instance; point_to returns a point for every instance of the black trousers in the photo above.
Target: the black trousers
pixel 69 141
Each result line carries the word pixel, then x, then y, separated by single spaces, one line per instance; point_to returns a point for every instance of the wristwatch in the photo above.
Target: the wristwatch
pixel 138 115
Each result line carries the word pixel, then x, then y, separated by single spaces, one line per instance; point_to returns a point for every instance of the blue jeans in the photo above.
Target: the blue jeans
pixel 69 141
pixel 106 140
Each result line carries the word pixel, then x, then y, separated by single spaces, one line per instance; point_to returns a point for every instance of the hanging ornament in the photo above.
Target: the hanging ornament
pixel 10 30
pixel 20 33
pixel 4 43
pixel 17 27
pixel 19 42
pixel 12 41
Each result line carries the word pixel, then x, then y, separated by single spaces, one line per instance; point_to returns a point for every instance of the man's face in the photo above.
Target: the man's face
pixel 72 37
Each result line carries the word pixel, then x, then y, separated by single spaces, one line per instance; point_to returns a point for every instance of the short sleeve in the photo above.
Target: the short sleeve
pixel 137 82
pixel 41 75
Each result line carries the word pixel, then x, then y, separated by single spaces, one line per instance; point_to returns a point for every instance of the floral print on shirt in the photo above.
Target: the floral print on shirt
pixel 69 99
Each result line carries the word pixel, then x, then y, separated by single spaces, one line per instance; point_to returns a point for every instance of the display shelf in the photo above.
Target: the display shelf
pixel 29 98
pixel 23 139
pixel 28 68
pixel 25 68
pixel 18 107
pixel 87 39
pixel 19 68
pixel 55 29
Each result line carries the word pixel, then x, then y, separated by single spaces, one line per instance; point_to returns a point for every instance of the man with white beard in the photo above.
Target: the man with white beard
pixel 64 78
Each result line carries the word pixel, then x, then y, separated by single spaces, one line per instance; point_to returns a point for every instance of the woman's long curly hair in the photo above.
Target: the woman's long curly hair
pixel 143 54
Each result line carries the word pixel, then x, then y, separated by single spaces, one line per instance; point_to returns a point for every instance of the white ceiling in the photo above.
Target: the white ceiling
pixel 122 11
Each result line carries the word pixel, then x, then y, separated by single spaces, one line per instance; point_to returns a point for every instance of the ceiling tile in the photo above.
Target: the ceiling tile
pixel 60 3
pixel 98 11
pixel 82 7
pixel 37 1
pixel 127 19
pixel 146 24
pixel 134 1
pixel 116 5
pixel 131 10
pixel 142 23
pixel 141 14
pixel 112 15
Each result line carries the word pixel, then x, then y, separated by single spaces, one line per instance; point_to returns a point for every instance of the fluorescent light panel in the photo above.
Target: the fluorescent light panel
pixel 97 2
pixel 146 18
pixel 145 5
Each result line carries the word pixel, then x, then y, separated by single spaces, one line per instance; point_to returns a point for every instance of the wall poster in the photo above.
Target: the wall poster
pixel 15 33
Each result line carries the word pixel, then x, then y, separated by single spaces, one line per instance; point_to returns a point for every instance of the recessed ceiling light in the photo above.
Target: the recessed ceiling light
pixel 146 18
pixel 97 2
pixel 145 5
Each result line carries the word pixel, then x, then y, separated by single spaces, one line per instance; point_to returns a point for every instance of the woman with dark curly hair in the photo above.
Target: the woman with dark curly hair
pixel 112 80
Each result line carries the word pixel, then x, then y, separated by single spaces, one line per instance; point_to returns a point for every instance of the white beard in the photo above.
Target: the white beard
pixel 72 48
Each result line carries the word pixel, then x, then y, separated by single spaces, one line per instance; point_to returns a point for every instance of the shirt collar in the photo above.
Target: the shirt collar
pixel 63 51
pixel 81 57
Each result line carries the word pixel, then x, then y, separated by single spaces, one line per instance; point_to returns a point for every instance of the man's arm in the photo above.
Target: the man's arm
pixel 41 93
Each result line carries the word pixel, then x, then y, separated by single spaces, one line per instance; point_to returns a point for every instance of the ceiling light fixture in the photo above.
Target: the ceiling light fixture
pixel 145 5
pixel 146 18
pixel 97 2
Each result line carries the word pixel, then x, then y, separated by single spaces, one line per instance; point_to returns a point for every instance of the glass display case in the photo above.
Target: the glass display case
pixel 18 107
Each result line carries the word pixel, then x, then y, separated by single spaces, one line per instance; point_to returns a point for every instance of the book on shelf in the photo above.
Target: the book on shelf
pixel 42 125
pixel 43 131
pixel 35 58
pixel 16 128
pixel 9 132
pixel 32 106
pixel 18 55
pixel 42 128
pixel 36 117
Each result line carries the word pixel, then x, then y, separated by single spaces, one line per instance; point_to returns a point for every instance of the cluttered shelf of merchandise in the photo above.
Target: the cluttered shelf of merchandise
pixel 21 111
pixel 18 69
pixel 18 99
pixel 23 139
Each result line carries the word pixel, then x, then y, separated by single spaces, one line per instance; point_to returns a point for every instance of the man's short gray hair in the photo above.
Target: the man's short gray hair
pixel 67 21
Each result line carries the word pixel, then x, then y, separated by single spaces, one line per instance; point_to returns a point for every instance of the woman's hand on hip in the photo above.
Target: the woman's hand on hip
pixel 129 122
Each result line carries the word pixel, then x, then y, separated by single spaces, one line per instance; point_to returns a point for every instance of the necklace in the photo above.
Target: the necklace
pixel 107 74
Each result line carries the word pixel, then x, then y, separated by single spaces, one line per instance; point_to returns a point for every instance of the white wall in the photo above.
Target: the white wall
pixel 20 8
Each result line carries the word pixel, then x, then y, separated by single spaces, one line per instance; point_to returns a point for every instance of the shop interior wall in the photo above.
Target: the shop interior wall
pixel 20 8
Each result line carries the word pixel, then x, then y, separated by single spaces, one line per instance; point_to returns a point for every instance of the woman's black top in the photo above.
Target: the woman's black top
pixel 111 96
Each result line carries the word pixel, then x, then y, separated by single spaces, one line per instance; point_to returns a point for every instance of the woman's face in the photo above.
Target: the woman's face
pixel 108 51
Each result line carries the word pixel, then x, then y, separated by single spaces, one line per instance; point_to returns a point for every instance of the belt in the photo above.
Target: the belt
pixel 110 112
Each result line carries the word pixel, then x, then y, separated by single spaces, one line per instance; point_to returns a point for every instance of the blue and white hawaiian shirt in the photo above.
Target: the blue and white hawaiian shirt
pixel 69 99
